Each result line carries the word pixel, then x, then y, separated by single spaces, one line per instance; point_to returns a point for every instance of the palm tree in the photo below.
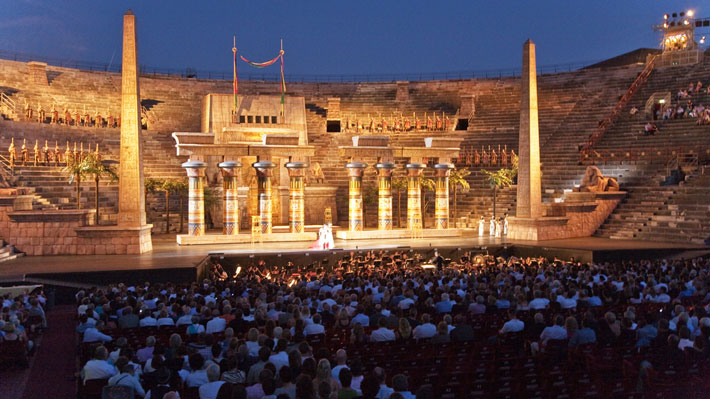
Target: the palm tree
pixel 76 172
pixel 501 178
pixel 399 184
pixel 171 186
pixel 92 165
pixel 457 178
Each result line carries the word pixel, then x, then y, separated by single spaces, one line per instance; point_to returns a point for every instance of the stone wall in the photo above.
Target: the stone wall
pixel 65 232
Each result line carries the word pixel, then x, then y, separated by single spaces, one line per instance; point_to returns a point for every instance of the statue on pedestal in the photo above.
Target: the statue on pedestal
pixel 87 117
pixel 485 158
pixel 417 122
pixel 28 111
pixel 77 118
pixel 68 156
pixel 110 118
pixel 12 153
pixel 316 173
pixel 40 113
pixel 54 114
pixel 24 153
pixel 595 182
pixel 476 158
pixel 384 124
pixel 407 124
pixel 57 154
pixel 513 157
pixel 429 123
pixel 98 120
pixel 494 158
pixel 36 153
pixel 439 123
pixel 47 153
pixel 503 157
pixel 67 116
pixel 448 123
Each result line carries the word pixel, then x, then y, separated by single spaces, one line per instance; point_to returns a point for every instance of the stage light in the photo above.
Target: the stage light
pixel 690 13
pixel 685 22
pixel 665 16
pixel 702 40
pixel 665 25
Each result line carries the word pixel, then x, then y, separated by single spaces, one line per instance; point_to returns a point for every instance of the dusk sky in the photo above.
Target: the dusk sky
pixel 338 37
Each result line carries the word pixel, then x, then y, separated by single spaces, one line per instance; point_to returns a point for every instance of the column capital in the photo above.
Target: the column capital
pixel 443 169
pixel 296 169
pixel 355 169
pixel 195 168
pixel 229 168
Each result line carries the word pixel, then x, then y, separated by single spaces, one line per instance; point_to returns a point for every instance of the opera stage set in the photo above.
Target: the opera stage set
pixel 266 171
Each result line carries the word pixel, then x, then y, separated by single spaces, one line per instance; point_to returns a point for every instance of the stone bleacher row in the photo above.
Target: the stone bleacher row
pixel 651 211
pixel 493 365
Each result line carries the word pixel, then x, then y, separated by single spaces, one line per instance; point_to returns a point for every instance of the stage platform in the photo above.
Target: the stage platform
pixel 171 262
pixel 396 234
pixel 244 238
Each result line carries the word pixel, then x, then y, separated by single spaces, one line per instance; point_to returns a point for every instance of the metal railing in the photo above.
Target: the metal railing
pixel 146 70
pixel 7 104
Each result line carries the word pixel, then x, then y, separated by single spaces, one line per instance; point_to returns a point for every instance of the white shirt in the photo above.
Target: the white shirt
pixel 196 378
pixel 513 325
pixel 210 389
pixel 165 321
pixel 313 329
pixel 382 334
pixel 685 343
pixel 336 372
pixel 125 379
pixel 97 369
pixel 427 330
pixel 384 392
pixel 553 332
pixel 362 319
pixel 148 322
pixel 216 325
pixel 91 334
pixel 279 360
pixel 184 319
pixel 539 303
pixel 405 303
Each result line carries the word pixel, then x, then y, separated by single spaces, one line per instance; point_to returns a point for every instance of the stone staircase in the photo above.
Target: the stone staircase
pixel 8 252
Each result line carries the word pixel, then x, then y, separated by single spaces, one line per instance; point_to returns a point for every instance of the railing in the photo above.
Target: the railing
pixel 6 171
pixel 606 123
pixel 276 77
pixel 670 156
pixel 7 103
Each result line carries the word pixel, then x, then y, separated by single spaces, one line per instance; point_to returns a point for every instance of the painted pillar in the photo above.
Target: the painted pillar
pixel 263 174
pixel 384 203
pixel 355 172
pixel 441 212
pixel 230 202
pixel 414 195
pixel 195 197
pixel 296 198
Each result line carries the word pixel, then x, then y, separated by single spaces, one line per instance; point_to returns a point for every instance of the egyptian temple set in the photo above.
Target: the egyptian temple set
pixel 261 167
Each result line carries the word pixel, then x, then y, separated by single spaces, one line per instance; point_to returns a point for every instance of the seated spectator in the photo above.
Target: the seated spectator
pixel 128 320
pixel 513 325
pixel 345 376
pixel 256 391
pixel 462 331
pixel 217 324
pixel 445 305
pixel 164 319
pixel 255 369
pixel 98 367
pixel 126 377
pixel 400 385
pixel 195 327
pixel 286 386
pixel 382 333
pixel 94 334
pixel 146 352
pixel 442 334
pixel 147 319
pixel 209 390
pixel 197 374
pixel 162 384
pixel 424 330
pixel 583 336
pixel 314 328
pixel 478 307
pixel 341 360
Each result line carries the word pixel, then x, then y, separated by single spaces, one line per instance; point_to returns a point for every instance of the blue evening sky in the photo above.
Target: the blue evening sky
pixel 338 37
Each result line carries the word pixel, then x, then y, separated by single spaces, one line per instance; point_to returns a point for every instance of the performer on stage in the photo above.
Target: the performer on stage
pixel 492 227
pixel 481 224
pixel 499 227
pixel 505 224
pixel 325 238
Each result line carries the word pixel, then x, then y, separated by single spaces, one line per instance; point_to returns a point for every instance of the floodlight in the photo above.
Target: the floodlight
pixel 690 13
pixel 665 16
pixel 685 22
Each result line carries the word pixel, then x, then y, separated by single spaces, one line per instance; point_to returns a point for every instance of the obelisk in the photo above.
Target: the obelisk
pixel 131 192
pixel 529 201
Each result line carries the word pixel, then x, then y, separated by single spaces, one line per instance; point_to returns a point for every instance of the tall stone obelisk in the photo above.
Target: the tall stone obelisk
pixel 529 204
pixel 131 192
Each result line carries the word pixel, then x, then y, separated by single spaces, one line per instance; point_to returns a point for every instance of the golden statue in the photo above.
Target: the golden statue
pixel 97 154
pixel 67 116
pixel 36 153
pixel 57 154
pixel 54 114
pixel 40 113
pixel 68 156
pixel 12 152
pixel 28 111
pixel 24 153
pixel 47 153
pixel 98 120
pixel 317 173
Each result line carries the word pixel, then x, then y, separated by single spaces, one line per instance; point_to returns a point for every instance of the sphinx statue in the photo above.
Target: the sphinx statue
pixel 594 182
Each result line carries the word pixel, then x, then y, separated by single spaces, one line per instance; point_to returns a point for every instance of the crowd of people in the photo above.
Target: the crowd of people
pixel 23 318
pixel 490 158
pixel 264 331
pixel 689 108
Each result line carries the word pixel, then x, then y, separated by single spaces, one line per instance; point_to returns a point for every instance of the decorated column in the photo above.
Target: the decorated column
pixel 195 197
pixel 263 174
pixel 441 212
pixel 230 202
pixel 297 205
pixel 384 203
pixel 414 195
pixel 355 172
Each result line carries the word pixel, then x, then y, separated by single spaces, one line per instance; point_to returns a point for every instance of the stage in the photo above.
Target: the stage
pixel 170 262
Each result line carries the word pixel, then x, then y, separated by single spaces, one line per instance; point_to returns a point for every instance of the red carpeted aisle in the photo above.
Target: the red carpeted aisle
pixel 52 370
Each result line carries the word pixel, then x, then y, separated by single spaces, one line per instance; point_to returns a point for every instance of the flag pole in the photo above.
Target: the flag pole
pixel 236 81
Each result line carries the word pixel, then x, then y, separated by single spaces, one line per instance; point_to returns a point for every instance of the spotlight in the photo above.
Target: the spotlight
pixel 685 22
pixel 702 40
pixel 665 25
pixel 665 16
pixel 690 13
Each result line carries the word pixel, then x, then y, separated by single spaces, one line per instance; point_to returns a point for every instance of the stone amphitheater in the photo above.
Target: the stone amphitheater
pixel 571 104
